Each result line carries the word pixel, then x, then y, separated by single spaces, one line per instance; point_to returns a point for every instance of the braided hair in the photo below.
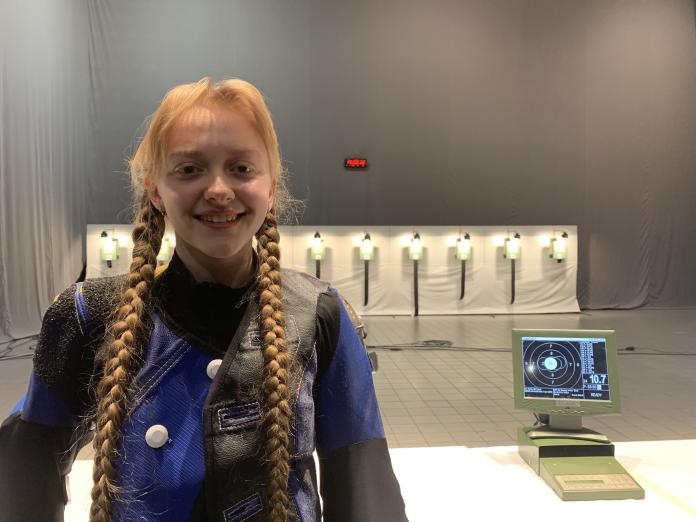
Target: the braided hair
pixel 129 333
pixel 276 419
pixel 131 328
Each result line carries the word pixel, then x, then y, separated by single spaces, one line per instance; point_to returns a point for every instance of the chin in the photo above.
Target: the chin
pixel 218 248
pixel 220 253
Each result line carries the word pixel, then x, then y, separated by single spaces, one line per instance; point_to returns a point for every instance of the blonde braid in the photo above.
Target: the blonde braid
pixel 276 420
pixel 123 358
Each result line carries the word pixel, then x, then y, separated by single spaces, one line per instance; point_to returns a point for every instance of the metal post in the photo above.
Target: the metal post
pixel 415 284
pixel 367 272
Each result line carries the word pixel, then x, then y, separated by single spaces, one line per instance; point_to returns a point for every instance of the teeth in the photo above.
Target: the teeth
pixel 218 219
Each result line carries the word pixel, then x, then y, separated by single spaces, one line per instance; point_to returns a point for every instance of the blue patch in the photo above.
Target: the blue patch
pixel 299 511
pixel 236 417
pixel 20 404
pixel 83 317
pixel 244 509
pixel 43 406
pixel 348 411
pixel 162 484
pixel 301 488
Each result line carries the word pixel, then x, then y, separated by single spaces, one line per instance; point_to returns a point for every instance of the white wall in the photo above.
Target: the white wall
pixel 542 284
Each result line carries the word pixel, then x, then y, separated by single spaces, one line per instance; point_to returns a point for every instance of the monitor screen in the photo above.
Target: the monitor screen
pixel 565 368
pixel 565 372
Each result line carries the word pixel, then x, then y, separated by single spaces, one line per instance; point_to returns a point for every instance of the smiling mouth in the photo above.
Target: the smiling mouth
pixel 219 219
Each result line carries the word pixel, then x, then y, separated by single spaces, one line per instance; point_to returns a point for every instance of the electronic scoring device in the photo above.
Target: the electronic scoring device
pixel 562 376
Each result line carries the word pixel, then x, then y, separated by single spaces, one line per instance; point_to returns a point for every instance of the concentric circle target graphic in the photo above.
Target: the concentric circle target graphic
pixel 552 364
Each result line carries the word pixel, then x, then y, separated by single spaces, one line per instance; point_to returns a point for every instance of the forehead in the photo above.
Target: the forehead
pixel 213 127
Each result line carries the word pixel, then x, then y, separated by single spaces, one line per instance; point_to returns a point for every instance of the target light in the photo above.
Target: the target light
pixel 513 247
pixel 463 253
pixel 318 247
pixel 464 248
pixel 109 248
pixel 165 253
pixel 367 249
pixel 415 252
pixel 318 252
pixel 512 252
pixel 367 252
pixel 559 247
pixel 415 249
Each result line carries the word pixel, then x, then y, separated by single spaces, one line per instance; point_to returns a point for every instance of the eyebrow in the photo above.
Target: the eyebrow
pixel 197 154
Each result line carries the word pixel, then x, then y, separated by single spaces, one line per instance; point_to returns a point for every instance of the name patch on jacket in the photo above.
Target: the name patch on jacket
pixel 237 417
pixel 244 509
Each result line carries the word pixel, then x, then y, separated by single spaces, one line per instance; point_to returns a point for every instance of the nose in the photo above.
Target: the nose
pixel 220 189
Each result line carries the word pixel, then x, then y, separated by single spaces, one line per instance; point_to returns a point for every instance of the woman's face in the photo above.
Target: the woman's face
pixel 216 186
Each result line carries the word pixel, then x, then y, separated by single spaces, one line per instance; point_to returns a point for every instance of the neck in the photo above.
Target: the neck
pixel 235 272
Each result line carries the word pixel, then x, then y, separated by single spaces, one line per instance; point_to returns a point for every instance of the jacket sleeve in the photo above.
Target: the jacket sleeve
pixel 38 441
pixel 357 481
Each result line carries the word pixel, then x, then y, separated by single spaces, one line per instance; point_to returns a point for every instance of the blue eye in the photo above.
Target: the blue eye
pixel 243 169
pixel 187 170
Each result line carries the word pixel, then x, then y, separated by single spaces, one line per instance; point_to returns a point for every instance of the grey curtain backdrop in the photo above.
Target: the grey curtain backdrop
pixel 480 112
pixel 44 155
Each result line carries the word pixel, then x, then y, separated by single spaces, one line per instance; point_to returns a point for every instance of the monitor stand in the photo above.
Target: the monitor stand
pixel 567 427
pixel 578 463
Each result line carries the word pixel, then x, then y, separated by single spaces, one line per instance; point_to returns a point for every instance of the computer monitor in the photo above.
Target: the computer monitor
pixel 566 374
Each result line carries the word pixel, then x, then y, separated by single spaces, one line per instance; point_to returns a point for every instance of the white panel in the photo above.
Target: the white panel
pixel 542 284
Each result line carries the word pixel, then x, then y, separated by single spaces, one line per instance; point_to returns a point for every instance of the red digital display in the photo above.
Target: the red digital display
pixel 355 163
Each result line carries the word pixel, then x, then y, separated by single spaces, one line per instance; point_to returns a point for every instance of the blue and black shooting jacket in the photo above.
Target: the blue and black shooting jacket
pixel 211 466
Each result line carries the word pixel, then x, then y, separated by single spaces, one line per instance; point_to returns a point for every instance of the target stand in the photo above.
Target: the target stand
pixel 561 376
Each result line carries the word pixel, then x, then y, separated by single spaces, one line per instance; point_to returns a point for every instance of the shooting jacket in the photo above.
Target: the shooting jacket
pixel 192 443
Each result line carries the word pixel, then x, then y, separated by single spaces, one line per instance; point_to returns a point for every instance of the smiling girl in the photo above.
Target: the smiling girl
pixel 211 384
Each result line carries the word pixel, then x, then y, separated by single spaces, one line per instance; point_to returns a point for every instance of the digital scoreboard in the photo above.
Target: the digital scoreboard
pixel 355 163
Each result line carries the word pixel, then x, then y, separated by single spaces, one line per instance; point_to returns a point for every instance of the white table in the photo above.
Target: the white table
pixel 457 483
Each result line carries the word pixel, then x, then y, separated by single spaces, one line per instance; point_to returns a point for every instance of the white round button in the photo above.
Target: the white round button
pixel 213 367
pixel 156 436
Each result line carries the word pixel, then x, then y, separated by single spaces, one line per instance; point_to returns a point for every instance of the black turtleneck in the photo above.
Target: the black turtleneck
pixel 207 314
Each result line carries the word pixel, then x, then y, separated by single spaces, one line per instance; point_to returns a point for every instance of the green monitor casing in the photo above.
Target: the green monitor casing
pixel 565 373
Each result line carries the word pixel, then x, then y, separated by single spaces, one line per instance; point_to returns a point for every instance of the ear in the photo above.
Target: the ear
pixel 154 195
pixel 271 195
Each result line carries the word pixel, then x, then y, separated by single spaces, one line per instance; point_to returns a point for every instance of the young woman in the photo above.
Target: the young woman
pixel 208 385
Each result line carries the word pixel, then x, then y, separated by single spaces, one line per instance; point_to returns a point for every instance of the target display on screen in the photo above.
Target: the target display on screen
pixel 557 368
